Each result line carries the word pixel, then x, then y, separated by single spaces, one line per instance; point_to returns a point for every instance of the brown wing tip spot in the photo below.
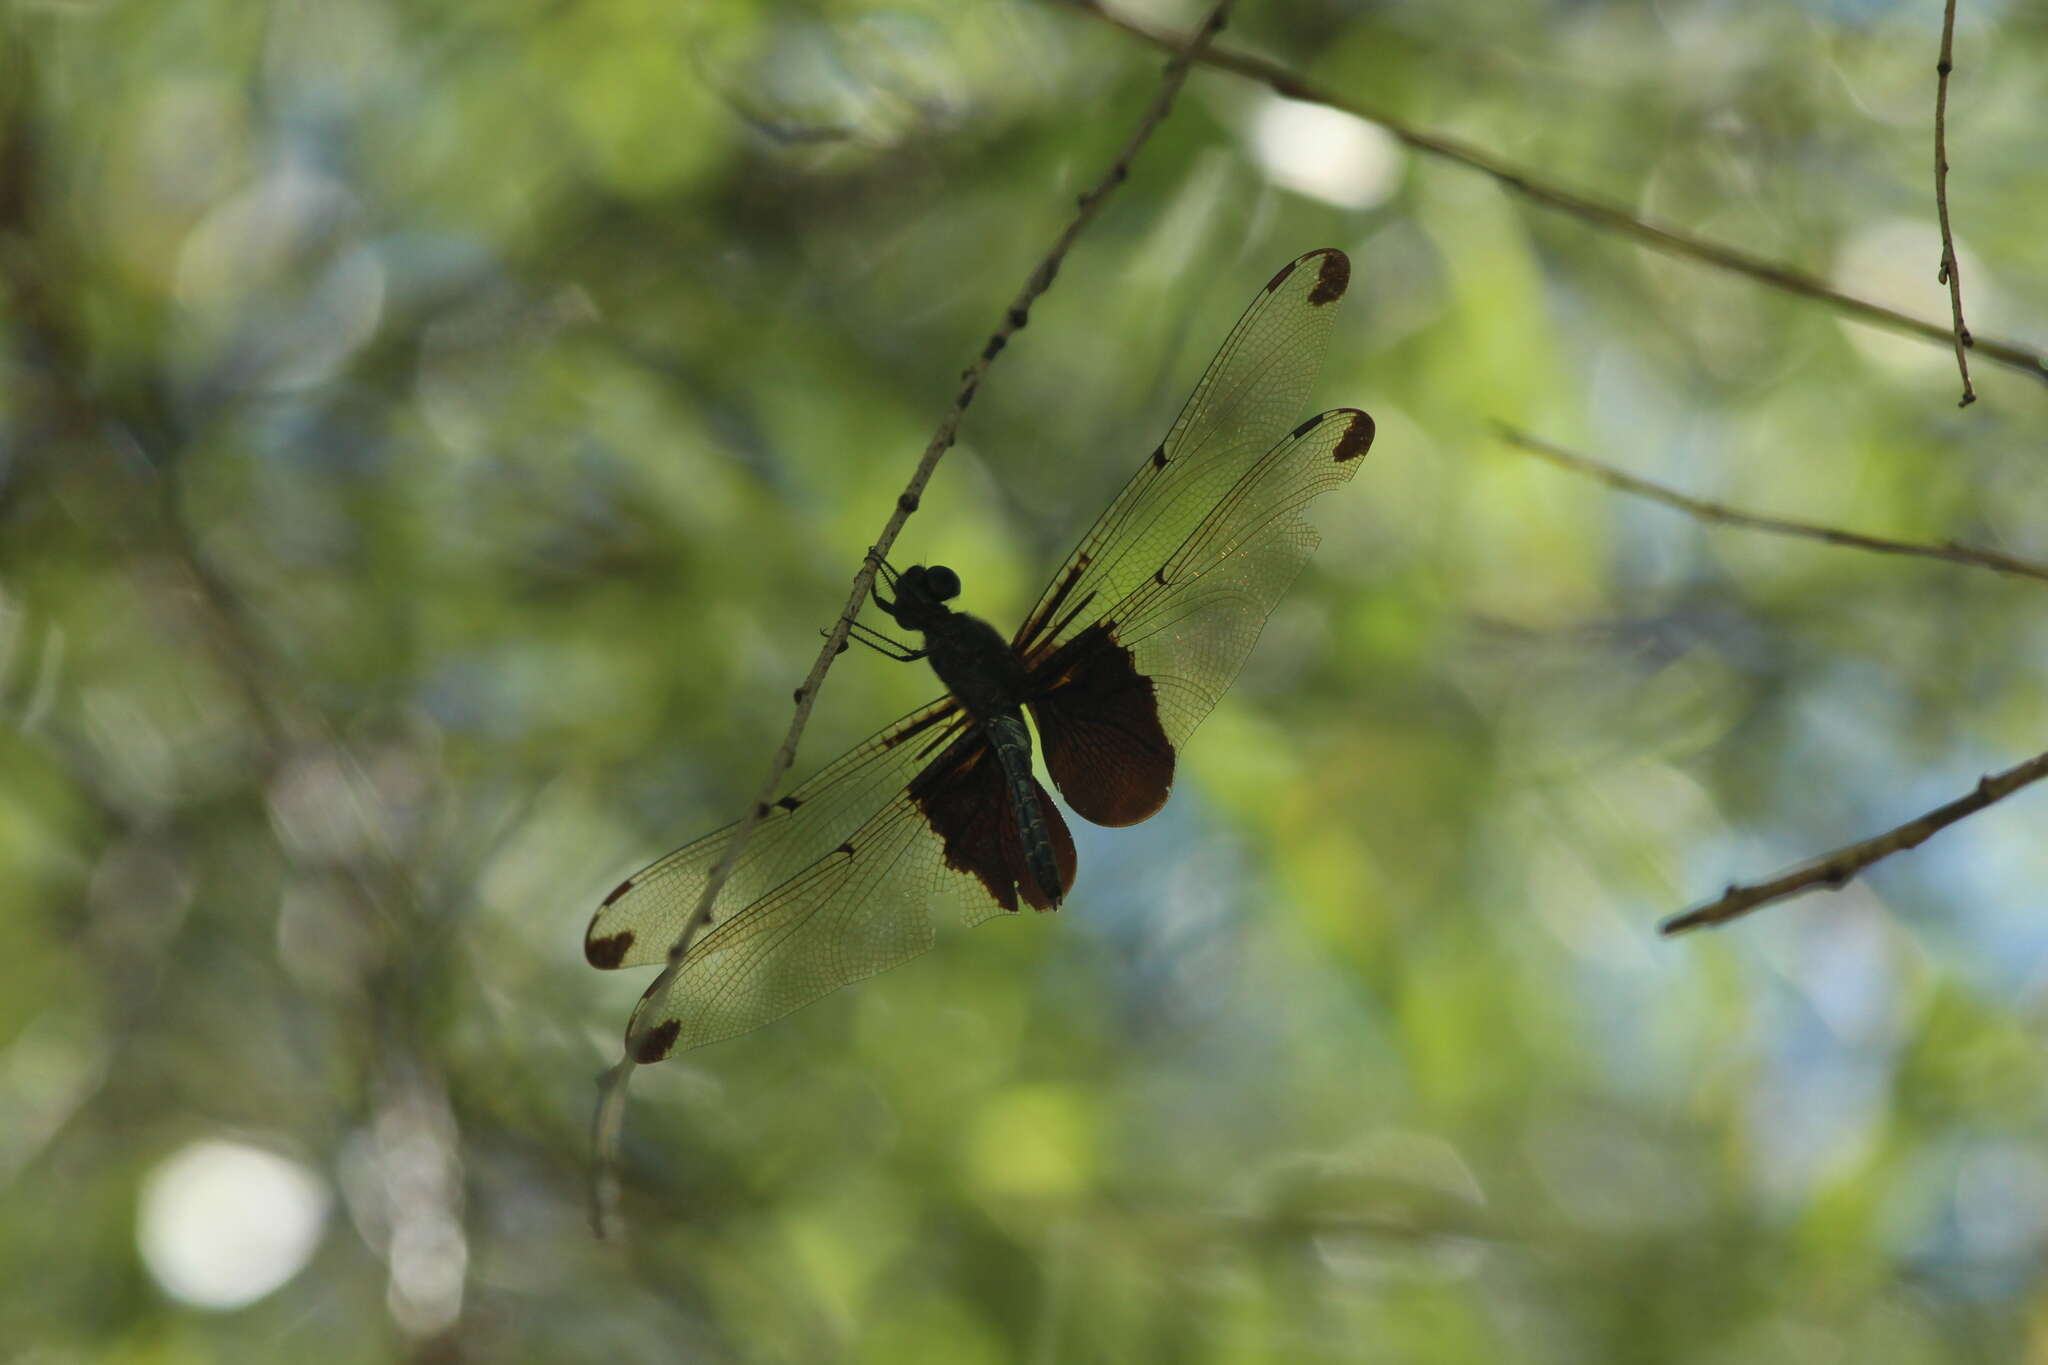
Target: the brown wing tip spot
pixel 608 952
pixel 655 1044
pixel 1357 438
pixel 1159 457
pixel 1334 279
pixel 621 889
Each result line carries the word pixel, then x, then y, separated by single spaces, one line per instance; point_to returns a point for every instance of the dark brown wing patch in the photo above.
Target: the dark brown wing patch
pixel 1333 281
pixel 963 797
pixel 657 1042
pixel 1357 439
pixel 610 951
pixel 1098 724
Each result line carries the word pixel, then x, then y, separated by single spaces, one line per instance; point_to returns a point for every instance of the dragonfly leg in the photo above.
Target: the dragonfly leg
pixel 882 644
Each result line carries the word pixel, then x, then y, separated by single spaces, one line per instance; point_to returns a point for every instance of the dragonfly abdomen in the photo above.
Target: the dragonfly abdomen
pixel 1012 743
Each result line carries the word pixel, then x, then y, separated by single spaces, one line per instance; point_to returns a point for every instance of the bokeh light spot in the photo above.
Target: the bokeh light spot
pixel 1325 153
pixel 221 1224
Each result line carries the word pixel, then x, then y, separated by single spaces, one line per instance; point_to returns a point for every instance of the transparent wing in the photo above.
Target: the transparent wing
pixel 641 919
pixel 933 822
pixel 1247 401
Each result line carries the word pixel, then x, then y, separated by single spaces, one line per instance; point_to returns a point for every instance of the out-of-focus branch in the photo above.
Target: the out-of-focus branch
pixel 1949 274
pixel 1608 217
pixel 1833 871
pixel 608 1123
pixel 1951 551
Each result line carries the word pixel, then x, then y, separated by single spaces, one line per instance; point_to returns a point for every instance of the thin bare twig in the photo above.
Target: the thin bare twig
pixel 1951 551
pixel 1833 871
pixel 1610 217
pixel 1949 274
pixel 608 1122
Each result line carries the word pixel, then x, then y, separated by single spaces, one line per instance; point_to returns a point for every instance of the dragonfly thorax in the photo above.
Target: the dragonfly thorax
pixel 971 657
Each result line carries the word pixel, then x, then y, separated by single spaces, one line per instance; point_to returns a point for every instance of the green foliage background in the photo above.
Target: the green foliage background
pixel 435 435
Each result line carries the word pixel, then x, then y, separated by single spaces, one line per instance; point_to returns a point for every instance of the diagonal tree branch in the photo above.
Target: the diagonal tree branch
pixel 1605 216
pixel 608 1123
pixel 1949 274
pixel 1834 870
pixel 1951 551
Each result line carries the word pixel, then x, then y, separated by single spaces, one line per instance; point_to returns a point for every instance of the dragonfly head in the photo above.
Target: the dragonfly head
pixel 933 582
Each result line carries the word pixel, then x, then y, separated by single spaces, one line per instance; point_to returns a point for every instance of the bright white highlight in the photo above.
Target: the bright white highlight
pixel 221 1224
pixel 1325 153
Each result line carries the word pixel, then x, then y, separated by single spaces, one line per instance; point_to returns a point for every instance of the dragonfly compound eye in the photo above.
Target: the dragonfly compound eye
pixel 942 583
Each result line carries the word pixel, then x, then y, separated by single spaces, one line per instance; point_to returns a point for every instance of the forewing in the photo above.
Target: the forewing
pixel 1149 620
pixel 949 834
pixel 1246 402
pixel 640 920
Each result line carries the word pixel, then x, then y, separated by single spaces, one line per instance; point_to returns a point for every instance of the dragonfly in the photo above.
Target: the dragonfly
pixel 1127 650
